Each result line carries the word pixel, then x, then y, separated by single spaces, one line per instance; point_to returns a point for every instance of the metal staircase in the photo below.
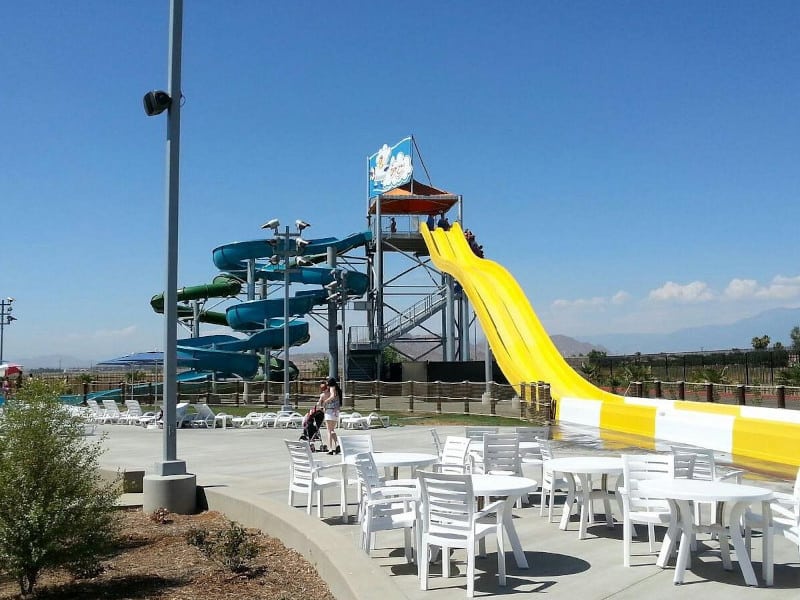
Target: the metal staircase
pixel 402 323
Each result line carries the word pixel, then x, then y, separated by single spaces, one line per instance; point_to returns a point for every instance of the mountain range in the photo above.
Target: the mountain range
pixel 776 323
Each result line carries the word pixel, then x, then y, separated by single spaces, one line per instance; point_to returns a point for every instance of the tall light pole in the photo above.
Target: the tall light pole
pixel 282 241
pixel 6 318
pixel 170 486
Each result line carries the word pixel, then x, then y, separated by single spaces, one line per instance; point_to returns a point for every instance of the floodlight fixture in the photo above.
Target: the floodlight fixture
pixel 301 224
pixel 274 259
pixel 156 102
pixel 303 262
pixel 273 242
pixel 301 243
pixel 272 224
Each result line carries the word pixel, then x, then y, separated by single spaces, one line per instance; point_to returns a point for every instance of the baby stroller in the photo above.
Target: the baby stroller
pixel 312 423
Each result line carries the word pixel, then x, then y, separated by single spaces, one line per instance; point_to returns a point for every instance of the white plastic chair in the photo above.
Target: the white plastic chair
pixel 132 415
pixel 501 456
pixel 455 456
pixel 354 420
pixel 287 419
pixel 785 516
pixel 112 413
pixel 351 446
pixel 374 418
pixel 205 417
pixel 551 481
pixel 450 520
pixel 304 477
pixel 383 506
pixel 699 463
pixel 637 508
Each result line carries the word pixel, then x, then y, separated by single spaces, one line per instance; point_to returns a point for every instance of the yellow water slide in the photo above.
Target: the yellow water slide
pixel 525 353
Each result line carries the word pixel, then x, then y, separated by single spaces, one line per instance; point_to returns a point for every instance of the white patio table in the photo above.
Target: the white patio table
pixel 386 460
pixel 680 493
pixel 584 467
pixel 512 487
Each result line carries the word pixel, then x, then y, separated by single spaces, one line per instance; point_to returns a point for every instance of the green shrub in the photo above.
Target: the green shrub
pixel 233 548
pixel 56 511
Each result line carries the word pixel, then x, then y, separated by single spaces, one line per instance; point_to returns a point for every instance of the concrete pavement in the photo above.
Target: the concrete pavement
pixel 245 473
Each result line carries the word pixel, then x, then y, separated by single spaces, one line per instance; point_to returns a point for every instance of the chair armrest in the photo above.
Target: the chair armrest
pixel 489 509
pixel 735 474
pixel 402 483
pixel 324 467
pixel 783 510
pixel 406 500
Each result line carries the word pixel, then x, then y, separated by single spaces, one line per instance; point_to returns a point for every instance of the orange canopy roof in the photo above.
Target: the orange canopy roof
pixel 425 200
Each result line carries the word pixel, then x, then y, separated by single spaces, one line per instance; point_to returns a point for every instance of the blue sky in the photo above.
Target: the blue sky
pixel 633 165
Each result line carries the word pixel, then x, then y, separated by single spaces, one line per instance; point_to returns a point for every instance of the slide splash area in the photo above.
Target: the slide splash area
pixel 260 320
pixel 525 353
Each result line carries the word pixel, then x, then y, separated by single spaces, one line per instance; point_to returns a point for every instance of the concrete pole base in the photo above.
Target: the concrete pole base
pixel 486 398
pixel 515 403
pixel 176 493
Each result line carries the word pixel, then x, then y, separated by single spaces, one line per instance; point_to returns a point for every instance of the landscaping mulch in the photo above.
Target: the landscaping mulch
pixel 154 560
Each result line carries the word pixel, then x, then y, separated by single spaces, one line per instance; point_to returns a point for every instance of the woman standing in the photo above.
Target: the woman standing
pixel 332 402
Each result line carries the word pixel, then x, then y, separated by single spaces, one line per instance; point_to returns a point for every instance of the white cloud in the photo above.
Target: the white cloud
pixel 580 302
pixel 741 288
pixel 780 288
pixel 696 291
pixel 621 297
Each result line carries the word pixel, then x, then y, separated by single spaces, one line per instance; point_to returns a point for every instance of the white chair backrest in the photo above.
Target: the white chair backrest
pixel 454 454
pixel 437 441
pixel 94 406
pixel 302 465
pixel 529 434
pixel 204 411
pixel 448 502
pixel 477 433
pixel 796 491
pixel 501 454
pixel 546 449
pixel 684 462
pixel 355 444
pixel 641 467
pixel 368 474
pixel 111 406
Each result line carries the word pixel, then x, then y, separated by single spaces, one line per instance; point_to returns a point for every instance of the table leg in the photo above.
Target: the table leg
pixel 343 495
pixel 585 500
pixel 567 510
pixel 670 537
pixel 738 543
pixel 607 501
pixel 684 551
pixel 767 550
pixel 513 538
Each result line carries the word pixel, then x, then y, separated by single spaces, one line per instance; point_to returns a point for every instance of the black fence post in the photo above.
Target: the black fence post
pixel 236 391
pixel 438 397
pixel 681 390
pixel 466 396
pixel 208 389
pixel 657 383
pixel 378 393
pixel 709 392
pixel 740 391
pixel 781 391
pixel 85 392
pixel 492 404
pixel 411 397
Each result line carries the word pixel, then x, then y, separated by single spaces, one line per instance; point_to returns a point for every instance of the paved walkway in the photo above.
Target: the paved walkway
pixel 253 462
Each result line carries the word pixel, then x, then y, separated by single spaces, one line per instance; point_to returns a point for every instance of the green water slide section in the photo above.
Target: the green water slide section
pixel 223 286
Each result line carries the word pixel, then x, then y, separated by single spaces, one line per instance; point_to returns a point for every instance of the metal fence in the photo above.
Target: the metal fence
pixel 425 396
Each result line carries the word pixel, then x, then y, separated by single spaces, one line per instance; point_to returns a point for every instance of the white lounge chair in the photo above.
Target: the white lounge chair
pixel 252 419
pixel 113 413
pixel 374 418
pixel 354 420
pixel 287 419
